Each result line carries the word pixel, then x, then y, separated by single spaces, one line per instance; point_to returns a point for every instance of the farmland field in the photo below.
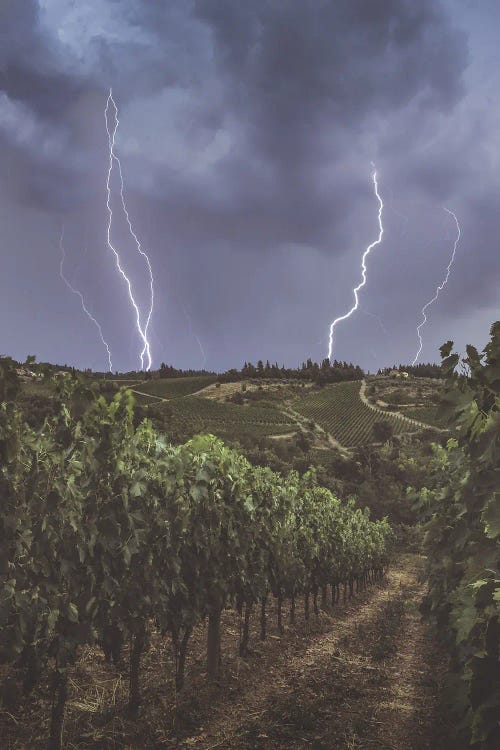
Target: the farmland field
pixel 192 415
pixel 193 407
pixel 340 411
pixel 237 431
pixel 428 414
pixel 175 387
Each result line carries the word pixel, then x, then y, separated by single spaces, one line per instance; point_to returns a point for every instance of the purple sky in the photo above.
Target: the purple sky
pixel 246 136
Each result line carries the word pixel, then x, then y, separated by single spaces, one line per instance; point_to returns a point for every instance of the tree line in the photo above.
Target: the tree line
pixel 428 370
pixel 320 373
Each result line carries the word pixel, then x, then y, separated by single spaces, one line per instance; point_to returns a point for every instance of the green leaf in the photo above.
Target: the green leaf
pixel 491 516
pixel 127 555
pixel 52 618
pixel 137 489
pixel 73 612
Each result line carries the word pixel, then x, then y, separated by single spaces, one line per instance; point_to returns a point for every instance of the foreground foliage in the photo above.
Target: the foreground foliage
pixel 461 506
pixel 108 531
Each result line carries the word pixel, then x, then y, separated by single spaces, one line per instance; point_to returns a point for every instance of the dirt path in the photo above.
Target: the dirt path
pixel 323 439
pixel 150 395
pixel 411 422
pixel 365 675
pixel 370 682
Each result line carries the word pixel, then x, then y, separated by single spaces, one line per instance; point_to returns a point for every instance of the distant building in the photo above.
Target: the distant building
pixel 24 374
pixel 398 374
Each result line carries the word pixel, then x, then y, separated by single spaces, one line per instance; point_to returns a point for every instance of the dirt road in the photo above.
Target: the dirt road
pixel 370 681
pixel 366 674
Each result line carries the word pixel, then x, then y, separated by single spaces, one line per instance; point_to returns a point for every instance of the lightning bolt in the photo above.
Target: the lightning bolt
pixel 200 345
pixel 202 350
pixel 142 329
pixel 439 288
pixel 79 294
pixel 363 267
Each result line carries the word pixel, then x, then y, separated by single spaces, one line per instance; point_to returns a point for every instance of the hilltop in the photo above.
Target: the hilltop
pixel 316 406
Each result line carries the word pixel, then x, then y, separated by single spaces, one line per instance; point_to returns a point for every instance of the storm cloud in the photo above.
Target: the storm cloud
pixel 247 132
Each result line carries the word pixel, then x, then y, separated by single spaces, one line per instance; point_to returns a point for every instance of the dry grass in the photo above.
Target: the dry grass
pixel 229 389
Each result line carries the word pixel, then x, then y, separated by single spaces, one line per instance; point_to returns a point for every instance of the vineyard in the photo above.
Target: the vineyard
pixel 340 411
pixel 111 536
pixel 201 408
pixel 428 414
pixel 193 415
pixel 138 575
pixel 171 388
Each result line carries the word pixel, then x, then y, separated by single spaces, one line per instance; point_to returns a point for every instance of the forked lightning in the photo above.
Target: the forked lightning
pixel 439 288
pixel 141 327
pixel 363 268
pixel 79 294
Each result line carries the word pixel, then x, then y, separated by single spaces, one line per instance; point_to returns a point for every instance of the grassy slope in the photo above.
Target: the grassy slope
pixel 175 387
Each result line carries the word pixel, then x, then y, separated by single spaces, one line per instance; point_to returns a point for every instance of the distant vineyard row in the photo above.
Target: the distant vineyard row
pixel 175 387
pixel 195 407
pixel 193 415
pixel 340 411
pixel 428 414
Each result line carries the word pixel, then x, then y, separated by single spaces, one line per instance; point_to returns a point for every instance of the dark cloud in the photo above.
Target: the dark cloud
pixel 246 136
pixel 19 31
pixel 30 71
pixel 297 65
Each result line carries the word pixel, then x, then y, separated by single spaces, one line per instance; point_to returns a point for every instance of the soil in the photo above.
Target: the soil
pixel 366 674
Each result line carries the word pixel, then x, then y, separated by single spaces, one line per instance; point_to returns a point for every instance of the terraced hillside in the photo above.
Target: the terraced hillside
pixel 339 410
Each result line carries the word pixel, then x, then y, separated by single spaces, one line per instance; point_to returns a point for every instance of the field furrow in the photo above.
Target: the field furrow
pixel 339 410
